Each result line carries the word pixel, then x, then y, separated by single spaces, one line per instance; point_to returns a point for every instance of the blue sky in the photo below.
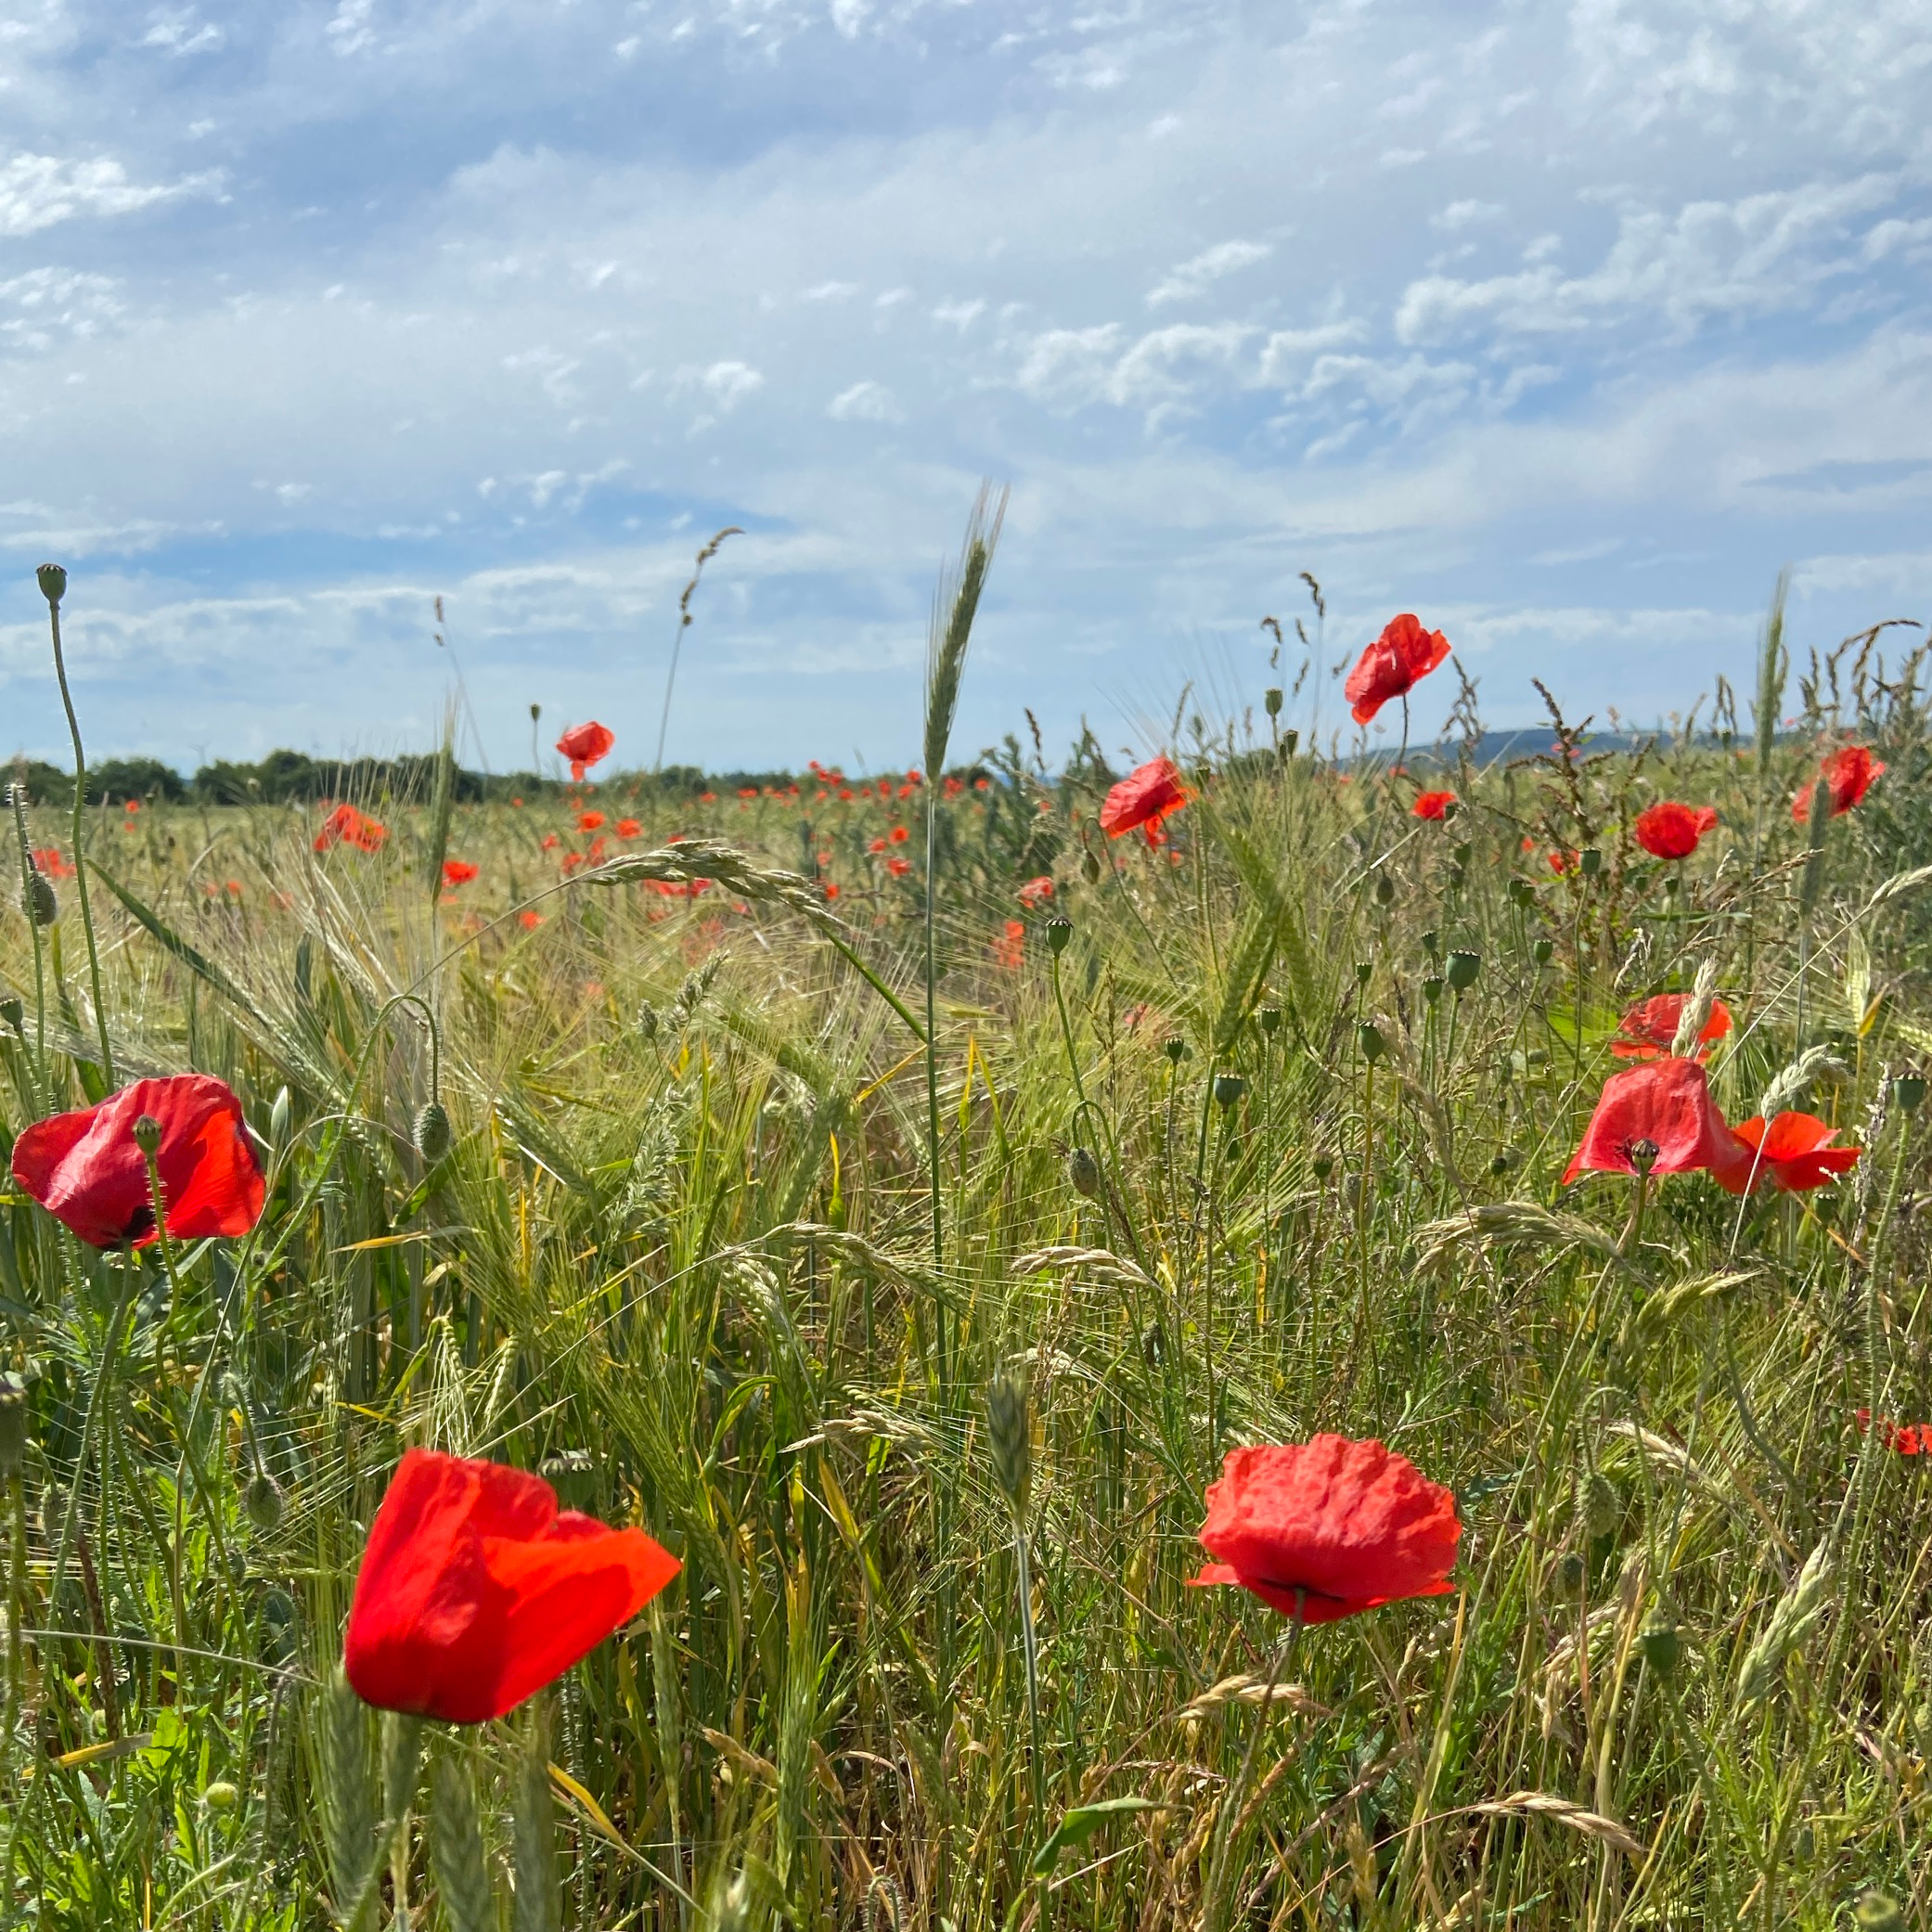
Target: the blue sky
pixel 1564 327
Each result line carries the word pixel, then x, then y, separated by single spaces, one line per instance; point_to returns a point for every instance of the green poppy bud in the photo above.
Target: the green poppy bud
pixel 13 1426
pixel 1321 1166
pixel 1463 970
pixel 221 1796
pixel 1457 875
pixel 1227 1089
pixel 52 579
pixel 1289 741
pixel 147 1134
pixel 37 900
pixel 1084 1171
pixel 1271 698
pixel 1461 853
pixel 1367 1037
pixel 433 1135
pixel 1385 889
pixel 262 1501
pixel 1599 1504
pixel 1090 866
pixel 1059 929
pixel 1661 1646
pixel 1570 1571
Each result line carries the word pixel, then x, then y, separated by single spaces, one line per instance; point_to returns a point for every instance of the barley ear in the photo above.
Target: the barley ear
pixel 953 611
pixel 534 1834
pixel 348 1810
pixel 456 1850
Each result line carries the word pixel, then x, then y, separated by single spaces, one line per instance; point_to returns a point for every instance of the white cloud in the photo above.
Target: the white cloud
pixel 182 30
pixel 729 383
pixel 1195 278
pixel 39 190
pixel 865 402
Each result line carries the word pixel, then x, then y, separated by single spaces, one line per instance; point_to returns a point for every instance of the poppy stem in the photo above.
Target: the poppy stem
pixel 18 794
pixel 1633 1227
pixel 73 728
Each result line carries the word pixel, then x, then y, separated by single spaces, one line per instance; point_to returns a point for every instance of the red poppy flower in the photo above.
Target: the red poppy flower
pixel 590 821
pixel 952 787
pixel 47 859
pixel 346 826
pixel 1143 798
pixel 898 835
pixel 1035 891
pixel 1794 1152
pixel 1010 949
pixel 457 872
pixel 476 1590
pixel 530 921
pixel 748 792
pixel 1849 773
pixel 1434 804
pixel 131 806
pixel 1672 831
pixel 898 868
pixel 1665 1103
pixel 1561 862
pixel 831 889
pixel 86 1171
pixel 629 828
pixel 1393 665
pixel 1906 1439
pixel 1649 1029
pixel 877 846
pixel 584 745
pixel 1328 1529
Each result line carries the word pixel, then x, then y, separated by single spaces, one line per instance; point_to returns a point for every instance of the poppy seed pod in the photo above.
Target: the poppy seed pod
pixel 1908 1090
pixel 13 1427
pixel 1643 1157
pixel 1271 699
pixel 1289 741
pixel 1590 862
pixel 15 1014
pixel 1542 951
pixel 1432 944
pixel 1362 970
pixel 1176 1049
pixel 147 1131
pixel 1367 1037
pixel 37 900
pixel 52 579
pixel 1321 1166
pixel 1084 1171
pixel 1269 1019
pixel 1009 1436
pixel 1463 970
pixel 1059 929
pixel 1229 1089
pixel 1432 988
pixel 263 1500
pixel 432 1135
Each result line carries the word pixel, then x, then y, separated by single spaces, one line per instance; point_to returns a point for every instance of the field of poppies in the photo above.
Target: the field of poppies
pixel 1275 1338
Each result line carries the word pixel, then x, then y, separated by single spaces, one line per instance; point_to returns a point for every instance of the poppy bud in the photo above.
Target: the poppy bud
pixel 1590 862
pixel 1384 890
pixel 37 900
pixel 52 579
pixel 1570 1572
pixel 279 1120
pixel 263 1500
pixel 1091 866
pixel 1661 1646
pixel 1271 698
pixel 1461 853
pixel 1503 1160
pixel 1059 929
pixel 147 1131
pixel 1176 1049
pixel 1367 1037
pixel 1432 944
pixel 1229 1089
pixel 1541 952
pixel 1599 1504
pixel 1084 1171
pixel 221 1796
pixel 536 711
pixel 1010 1435
pixel 13 1427
pixel 1432 988
pixel 1321 1166
pixel 1463 970
pixel 1879 1912
pixel 15 1015
pixel 1362 970
pixel 1907 1090
pixel 432 1131
pixel 1269 1019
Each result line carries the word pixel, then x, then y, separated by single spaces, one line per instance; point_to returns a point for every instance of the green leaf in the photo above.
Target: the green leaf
pixel 1081 1822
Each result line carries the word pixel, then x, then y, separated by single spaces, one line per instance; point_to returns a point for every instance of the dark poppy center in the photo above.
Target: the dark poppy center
pixel 140 1224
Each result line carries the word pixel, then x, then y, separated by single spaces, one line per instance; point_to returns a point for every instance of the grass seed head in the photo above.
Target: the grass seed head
pixel 1010 1433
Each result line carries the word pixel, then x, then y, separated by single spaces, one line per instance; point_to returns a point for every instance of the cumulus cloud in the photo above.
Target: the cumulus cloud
pixel 865 402
pixel 40 190
pixel 1195 278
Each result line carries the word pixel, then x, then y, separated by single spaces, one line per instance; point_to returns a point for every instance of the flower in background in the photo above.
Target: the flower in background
pixel 831 889
pixel 476 1590
pixel 1142 799
pixel 898 835
pixel 47 859
pixel 551 842
pixel 1434 804
pixel 590 821
pixel 1794 1152
pixel 1663 1105
pixel 1649 1030
pixel 1328 1529
pixel 629 828
pixel 346 826
pixel 1010 949
pixel 530 921
pixel 86 1170
pixel 1035 891
pixel 584 745
pixel 457 872
pixel 1848 774
pixel 1905 1439
pixel 1393 665
pixel 877 846
pixel 1672 831
pixel 898 868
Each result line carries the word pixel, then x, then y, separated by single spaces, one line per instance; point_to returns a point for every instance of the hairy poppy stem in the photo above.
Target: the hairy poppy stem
pixel 18 794
pixel 73 728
